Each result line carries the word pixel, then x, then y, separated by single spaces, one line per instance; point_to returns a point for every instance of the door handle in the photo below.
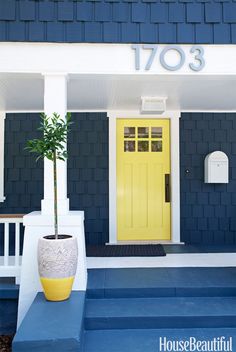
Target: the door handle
pixel 167 188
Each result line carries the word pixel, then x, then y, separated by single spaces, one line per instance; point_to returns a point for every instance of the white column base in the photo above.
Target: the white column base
pixel 38 225
pixel 47 206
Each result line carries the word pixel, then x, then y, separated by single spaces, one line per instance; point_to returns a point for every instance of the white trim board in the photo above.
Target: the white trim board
pixel 174 117
pixel 169 261
pixel 104 58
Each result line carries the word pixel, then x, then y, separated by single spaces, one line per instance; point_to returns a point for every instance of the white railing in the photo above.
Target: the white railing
pixel 10 264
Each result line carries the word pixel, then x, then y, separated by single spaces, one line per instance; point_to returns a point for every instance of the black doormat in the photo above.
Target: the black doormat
pixel 126 250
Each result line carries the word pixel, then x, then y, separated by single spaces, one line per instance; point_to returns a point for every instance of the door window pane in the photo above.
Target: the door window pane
pixel 143 132
pixel 143 146
pixel 156 132
pixel 129 132
pixel 156 146
pixel 129 146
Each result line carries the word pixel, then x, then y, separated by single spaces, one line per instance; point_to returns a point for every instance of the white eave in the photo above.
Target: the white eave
pixel 102 77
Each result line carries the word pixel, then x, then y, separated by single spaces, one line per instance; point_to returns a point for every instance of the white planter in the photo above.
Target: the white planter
pixel 57 264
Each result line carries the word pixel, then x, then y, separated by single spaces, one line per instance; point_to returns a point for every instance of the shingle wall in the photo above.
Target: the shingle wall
pixel 23 183
pixel 23 176
pixel 207 210
pixel 87 170
pixel 119 21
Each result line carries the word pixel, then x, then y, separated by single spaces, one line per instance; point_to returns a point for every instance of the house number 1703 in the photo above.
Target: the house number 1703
pixel 197 52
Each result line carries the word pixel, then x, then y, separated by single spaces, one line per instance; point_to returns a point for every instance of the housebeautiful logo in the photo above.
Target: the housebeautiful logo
pixel 217 344
pixel 197 61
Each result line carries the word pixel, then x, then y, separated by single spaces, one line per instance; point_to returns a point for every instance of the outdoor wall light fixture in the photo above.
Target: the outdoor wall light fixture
pixel 153 105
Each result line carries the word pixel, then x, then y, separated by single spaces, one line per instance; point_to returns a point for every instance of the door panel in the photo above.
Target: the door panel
pixel 143 159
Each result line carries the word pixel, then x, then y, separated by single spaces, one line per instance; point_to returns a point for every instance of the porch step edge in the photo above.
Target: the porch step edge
pixel 152 292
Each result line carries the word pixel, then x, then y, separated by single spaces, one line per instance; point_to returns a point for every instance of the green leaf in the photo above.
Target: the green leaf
pixel 54 138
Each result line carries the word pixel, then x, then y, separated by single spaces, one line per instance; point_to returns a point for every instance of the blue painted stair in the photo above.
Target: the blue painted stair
pixel 148 340
pixel 130 310
pixel 158 313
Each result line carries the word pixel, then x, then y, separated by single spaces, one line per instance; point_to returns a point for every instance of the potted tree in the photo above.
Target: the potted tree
pixel 57 253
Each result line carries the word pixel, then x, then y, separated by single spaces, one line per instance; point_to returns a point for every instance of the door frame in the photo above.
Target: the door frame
pixel 174 117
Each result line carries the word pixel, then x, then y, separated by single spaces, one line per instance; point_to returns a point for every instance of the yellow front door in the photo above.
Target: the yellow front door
pixel 143 168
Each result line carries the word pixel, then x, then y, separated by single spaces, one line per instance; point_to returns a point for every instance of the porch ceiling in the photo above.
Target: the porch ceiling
pixel 24 92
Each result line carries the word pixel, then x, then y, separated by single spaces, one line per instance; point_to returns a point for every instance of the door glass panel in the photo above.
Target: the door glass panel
pixel 129 132
pixel 156 146
pixel 143 146
pixel 143 132
pixel 129 146
pixel 156 132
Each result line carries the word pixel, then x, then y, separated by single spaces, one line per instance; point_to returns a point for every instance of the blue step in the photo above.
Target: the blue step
pixel 52 326
pixel 147 340
pixel 129 310
pixel 160 313
pixel 161 282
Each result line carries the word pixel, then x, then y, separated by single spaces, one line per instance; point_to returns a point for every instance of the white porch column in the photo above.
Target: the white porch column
pixel 39 224
pixel 175 177
pixel 55 100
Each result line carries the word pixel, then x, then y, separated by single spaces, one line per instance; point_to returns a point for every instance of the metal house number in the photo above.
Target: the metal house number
pixel 197 56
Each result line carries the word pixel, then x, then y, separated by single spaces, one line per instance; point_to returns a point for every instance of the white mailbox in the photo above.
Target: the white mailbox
pixel 216 168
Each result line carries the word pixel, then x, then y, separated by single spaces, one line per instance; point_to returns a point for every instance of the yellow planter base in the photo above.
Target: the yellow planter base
pixel 57 289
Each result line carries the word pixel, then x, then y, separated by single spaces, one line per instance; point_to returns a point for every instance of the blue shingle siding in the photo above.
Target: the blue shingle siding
pixel 222 34
pixel 167 33
pixel 46 10
pixel 139 12
pixel 8 10
pixel 159 13
pixel 93 32
pixel 111 31
pixel 84 11
pixel 16 30
pixel 74 31
pixel 120 12
pixel 185 33
pixel 119 21
pixel 65 11
pixel 22 175
pixel 36 31
pixel 102 12
pixel 27 11
pixel 207 210
pixel 130 32
pixel 148 33
pixel 213 13
pixel 194 13
pixel 55 32
pixel 87 170
pixel 176 13
pixel 229 12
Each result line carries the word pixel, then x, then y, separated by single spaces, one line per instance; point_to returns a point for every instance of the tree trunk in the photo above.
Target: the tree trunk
pixel 55 194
